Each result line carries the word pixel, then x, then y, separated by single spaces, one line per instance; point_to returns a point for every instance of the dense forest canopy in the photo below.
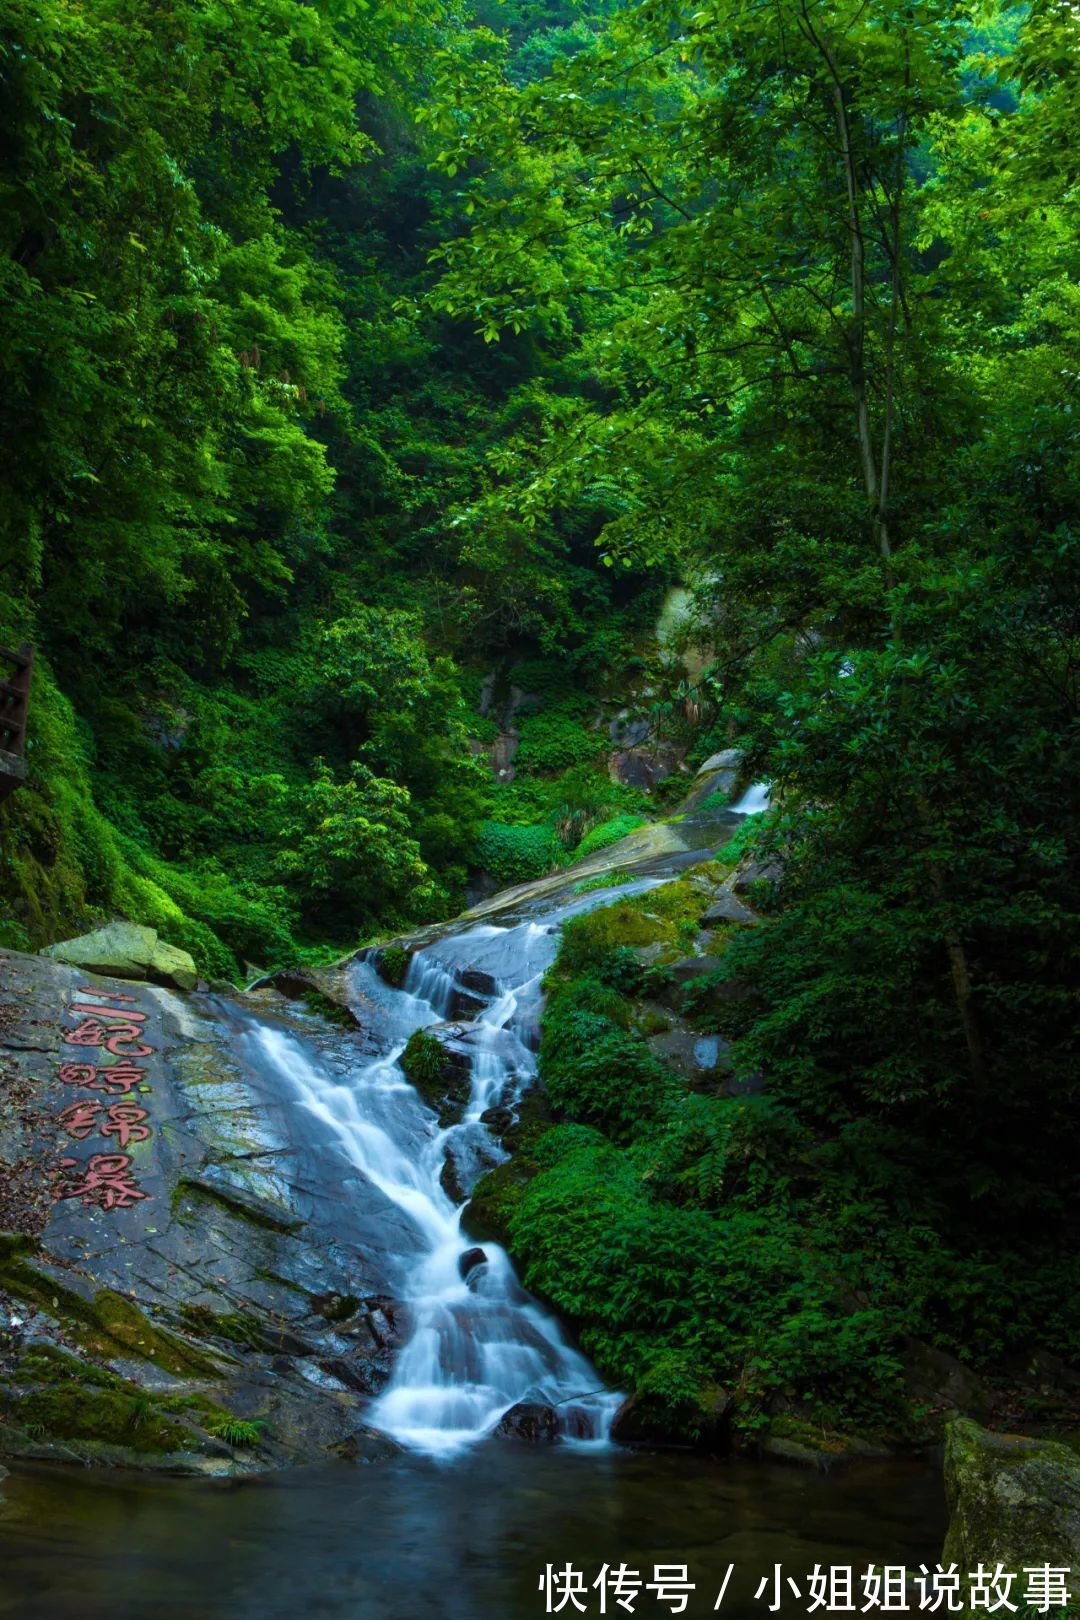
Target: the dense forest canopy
pixel 358 356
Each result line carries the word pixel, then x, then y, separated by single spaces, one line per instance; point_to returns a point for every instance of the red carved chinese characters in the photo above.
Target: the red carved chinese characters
pixel 106 1181
pixel 125 1122
pixel 113 1077
pixel 126 1015
pixel 92 1032
pixel 80 1118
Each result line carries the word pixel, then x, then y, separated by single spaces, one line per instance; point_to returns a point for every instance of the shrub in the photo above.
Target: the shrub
pixel 515 854
pixel 608 832
pixel 393 964
pixel 553 741
pixel 423 1058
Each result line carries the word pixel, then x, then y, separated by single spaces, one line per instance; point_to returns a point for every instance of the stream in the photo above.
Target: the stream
pixel 478 1344
pixel 460 1525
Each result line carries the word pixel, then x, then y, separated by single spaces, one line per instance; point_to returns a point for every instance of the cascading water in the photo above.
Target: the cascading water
pixel 477 1345
pixel 753 801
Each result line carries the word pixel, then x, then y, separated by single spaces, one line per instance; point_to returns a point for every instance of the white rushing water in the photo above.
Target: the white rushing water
pixel 478 1344
pixel 753 801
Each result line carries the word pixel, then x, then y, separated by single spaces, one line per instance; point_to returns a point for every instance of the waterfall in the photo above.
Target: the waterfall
pixel 753 801
pixel 477 1344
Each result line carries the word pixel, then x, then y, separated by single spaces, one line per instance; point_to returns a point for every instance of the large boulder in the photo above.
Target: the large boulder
pixel 1013 1500
pixel 647 1418
pixel 727 909
pixel 646 766
pixel 721 773
pixel 124 950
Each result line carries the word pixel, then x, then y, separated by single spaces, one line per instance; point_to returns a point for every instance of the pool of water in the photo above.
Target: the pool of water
pixel 462 1540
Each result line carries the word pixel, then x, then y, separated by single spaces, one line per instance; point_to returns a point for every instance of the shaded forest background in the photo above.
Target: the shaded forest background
pixel 353 355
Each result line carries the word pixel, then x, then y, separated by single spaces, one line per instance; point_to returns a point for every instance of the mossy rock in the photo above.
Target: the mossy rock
pixel 127 950
pixel 796 1440
pixel 109 1416
pixel 440 1067
pixel 1013 1500
pixel 391 963
pixel 488 1213
pixel 666 1412
pixel 47 1364
pixel 108 1325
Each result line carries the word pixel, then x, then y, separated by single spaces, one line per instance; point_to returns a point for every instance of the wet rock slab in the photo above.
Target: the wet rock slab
pixel 183 1254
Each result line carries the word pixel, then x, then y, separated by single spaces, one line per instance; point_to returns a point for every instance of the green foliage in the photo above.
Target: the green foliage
pixel 234 440
pixel 393 964
pixel 514 854
pixel 671 1298
pixel 238 1432
pixel 552 741
pixel 423 1058
pixel 350 852
pixel 304 449
pixel 608 832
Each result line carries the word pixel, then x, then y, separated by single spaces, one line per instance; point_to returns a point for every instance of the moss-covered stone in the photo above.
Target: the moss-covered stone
pixel 488 1213
pixel 814 1445
pixel 423 1060
pixel 112 1416
pixel 47 1364
pixel 108 1325
pixel 392 964
pixel 235 1327
pixel 1013 1500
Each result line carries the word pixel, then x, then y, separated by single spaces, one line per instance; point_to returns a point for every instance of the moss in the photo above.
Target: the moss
pixel 647 1021
pixel 105 1415
pixel 598 933
pixel 489 1211
pixel 235 1327
pixel 603 880
pixel 256 1211
pixel 127 1326
pixel 332 1011
pixel 1013 1499
pixel 832 1442
pixel 423 1059
pixel 197 1406
pixel 393 964
pixel 108 1326
pixel 276 1281
pixel 47 1364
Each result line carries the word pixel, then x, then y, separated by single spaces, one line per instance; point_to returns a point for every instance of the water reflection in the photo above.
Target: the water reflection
pixel 467 1541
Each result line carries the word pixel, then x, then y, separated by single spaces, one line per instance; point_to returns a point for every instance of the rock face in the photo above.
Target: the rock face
pixel 128 951
pixel 186 1281
pixel 727 909
pixel 1013 1500
pixel 644 766
pixel 530 1421
pixel 721 773
pixel 644 1419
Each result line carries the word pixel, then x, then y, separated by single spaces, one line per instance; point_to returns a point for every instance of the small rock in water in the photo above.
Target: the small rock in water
pixel 476 980
pixel 470 1260
pixel 530 1421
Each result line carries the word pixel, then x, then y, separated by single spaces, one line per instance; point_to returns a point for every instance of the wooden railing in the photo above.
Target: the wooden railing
pixel 14 703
